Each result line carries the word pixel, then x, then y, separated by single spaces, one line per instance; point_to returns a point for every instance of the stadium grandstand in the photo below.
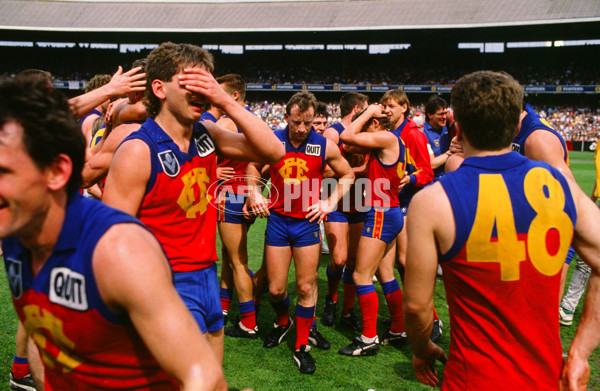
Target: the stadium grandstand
pixel 328 47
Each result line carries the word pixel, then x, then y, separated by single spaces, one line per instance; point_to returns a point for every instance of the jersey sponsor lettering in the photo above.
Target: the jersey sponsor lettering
pixel 204 145
pixel 313 150
pixel 169 163
pixel 67 288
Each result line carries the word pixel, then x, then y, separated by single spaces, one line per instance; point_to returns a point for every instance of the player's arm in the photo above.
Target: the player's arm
pixel 128 176
pixel 120 84
pixel 419 278
pixel 354 136
pixel 546 147
pixel 586 242
pixel 257 204
pixel 417 145
pixel 134 278
pixel 256 142
pixel 343 171
pixel 97 167
pixel 332 135
pixel 439 160
pixel 127 112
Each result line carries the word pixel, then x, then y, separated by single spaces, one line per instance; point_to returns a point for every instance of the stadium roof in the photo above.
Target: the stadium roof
pixel 286 16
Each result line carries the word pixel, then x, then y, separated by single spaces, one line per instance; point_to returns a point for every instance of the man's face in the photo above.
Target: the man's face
pixel 24 194
pixel 438 119
pixel 299 123
pixel 184 105
pixel 320 123
pixel 395 111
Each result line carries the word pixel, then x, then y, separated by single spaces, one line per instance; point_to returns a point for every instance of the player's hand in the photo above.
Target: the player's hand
pixel 124 83
pixel 404 181
pixel 257 204
pixel 201 81
pixel 575 374
pixel 455 145
pixel 318 211
pixel 425 367
pixel 225 173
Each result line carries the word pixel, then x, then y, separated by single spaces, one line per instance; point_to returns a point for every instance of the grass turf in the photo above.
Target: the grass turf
pixel 248 365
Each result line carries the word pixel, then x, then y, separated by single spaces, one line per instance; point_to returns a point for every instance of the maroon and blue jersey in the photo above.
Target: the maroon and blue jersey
pixel 178 207
pixel 84 345
pixel 384 179
pixel 338 128
pixel 530 123
pixel 514 220
pixel 93 112
pixel 296 179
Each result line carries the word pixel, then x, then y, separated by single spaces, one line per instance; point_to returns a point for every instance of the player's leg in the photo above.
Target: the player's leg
pixel 579 280
pixel 306 261
pixel 278 260
pixel 19 377
pixel 370 252
pixel 393 296
pixel 216 339
pixel 337 238
pixel 234 239
pixel 227 285
pixel 349 317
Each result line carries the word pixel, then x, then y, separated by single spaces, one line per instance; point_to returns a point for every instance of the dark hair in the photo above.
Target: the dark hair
pixel 33 73
pixel 49 127
pixel 233 82
pixel 350 100
pixel 434 103
pixel 167 60
pixel 140 62
pixel 321 110
pixel 398 96
pixel 487 107
pixel 304 100
pixel 384 122
pixel 96 82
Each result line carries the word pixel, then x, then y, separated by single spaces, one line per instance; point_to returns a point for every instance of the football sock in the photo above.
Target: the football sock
pixel 304 318
pixel 333 282
pixel 20 367
pixel 349 291
pixel 248 313
pixel 369 304
pixel 226 295
pixel 282 311
pixel 393 297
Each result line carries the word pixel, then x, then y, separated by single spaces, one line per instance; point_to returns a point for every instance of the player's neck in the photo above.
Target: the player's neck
pixel 178 131
pixel 42 234
pixel 470 151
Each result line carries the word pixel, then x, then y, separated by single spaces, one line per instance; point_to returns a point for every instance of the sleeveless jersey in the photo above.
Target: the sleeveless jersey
pixel 530 123
pixel 514 221
pixel 177 207
pixel 418 163
pixel 296 179
pixel 439 142
pixel 206 116
pixel 80 121
pixel 384 179
pixel 84 345
pixel 354 197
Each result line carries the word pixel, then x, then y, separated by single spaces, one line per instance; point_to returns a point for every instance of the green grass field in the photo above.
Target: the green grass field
pixel 248 365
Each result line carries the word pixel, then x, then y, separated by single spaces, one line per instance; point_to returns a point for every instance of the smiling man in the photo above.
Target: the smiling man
pixel 163 172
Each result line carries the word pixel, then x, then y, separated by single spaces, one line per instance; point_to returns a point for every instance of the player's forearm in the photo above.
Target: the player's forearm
pixel 439 160
pixel 343 186
pixel 587 337
pixel 264 143
pixel 418 322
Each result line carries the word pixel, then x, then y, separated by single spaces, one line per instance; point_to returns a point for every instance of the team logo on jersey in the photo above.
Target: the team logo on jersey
pixel 204 145
pixel 169 163
pixel 14 269
pixel 313 150
pixel 516 147
pixel 293 170
pixel 193 198
pixel 67 288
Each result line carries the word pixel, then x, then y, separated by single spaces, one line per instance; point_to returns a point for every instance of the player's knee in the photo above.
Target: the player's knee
pixel 277 293
pixel 304 289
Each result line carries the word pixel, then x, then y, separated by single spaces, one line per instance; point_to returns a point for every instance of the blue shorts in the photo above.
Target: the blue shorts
pixel 345 217
pixel 291 231
pixel 384 224
pixel 229 208
pixel 199 290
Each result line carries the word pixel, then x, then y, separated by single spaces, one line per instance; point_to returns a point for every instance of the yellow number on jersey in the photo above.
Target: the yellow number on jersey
pixel 494 207
pixel 545 195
